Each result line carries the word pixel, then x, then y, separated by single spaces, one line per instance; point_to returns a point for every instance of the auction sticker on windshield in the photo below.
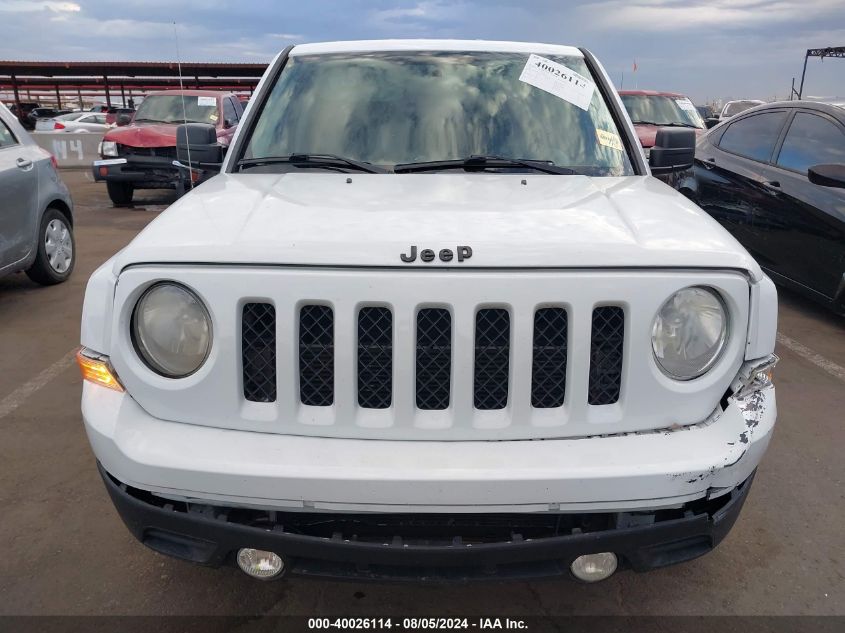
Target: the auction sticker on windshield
pixel 558 80
pixel 206 101
pixel 685 104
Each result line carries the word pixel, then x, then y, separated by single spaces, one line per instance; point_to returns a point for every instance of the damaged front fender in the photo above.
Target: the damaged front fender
pixel 754 400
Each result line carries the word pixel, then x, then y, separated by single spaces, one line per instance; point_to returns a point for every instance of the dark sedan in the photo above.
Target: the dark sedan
pixel 773 176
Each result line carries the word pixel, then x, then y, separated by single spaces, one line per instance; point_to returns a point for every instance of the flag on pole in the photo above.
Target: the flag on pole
pixel 635 65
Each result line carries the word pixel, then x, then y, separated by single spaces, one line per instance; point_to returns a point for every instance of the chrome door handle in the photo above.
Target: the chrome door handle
pixel 23 163
pixel 774 185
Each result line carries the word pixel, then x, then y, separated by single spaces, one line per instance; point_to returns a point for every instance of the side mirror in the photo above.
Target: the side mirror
pixel 711 122
pixel 674 150
pixel 200 139
pixel 123 119
pixel 227 123
pixel 827 175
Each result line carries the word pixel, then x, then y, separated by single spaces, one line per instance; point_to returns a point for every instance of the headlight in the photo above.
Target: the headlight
pixel 171 330
pixel 689 333
pixel 108 148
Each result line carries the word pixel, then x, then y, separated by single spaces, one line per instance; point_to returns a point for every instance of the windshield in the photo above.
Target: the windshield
pixel 662 110
pixel 735 107
pixel 388 108
pixel 168 109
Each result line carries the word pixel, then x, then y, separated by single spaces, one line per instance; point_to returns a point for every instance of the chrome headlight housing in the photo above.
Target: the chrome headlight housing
pixel 171 330
pixel 108 148
pixel 690 332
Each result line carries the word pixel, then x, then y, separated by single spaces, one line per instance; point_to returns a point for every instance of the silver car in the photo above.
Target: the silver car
pixel 74 122
pixel 36 211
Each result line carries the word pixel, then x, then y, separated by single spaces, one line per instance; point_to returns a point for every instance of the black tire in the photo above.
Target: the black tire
pixel 44 270
pixel 120 192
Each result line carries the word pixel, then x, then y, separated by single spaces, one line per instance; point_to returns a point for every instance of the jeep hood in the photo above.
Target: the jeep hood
pixel 531 221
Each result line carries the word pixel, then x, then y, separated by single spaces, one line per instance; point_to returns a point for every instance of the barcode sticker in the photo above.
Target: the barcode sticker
pixel 558 80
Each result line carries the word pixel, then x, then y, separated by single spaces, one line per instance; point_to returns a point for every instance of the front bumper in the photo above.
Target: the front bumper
pixel 212 535
pixel 628 472
pixel 411 510
pixel 148 172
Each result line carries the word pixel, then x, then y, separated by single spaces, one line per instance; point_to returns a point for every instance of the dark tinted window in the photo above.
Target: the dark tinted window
pixel 755 136
pixel 811 140
pixel 6 136
pixel 229 112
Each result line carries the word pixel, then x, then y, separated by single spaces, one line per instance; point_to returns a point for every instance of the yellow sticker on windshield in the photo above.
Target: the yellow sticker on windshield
pixel 213 117
pixel 609 139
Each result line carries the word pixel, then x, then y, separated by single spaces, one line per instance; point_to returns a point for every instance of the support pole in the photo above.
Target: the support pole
pixel 58 98
pixel 108 94
pixel 17 98
pixel 803 72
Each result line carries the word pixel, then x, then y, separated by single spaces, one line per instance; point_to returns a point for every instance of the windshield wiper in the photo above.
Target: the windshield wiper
pixel 311 160
pixel 484 162
pixel 152 120
pixel 664 124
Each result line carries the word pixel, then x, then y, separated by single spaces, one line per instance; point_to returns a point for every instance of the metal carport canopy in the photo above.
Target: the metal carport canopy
pixel 14 74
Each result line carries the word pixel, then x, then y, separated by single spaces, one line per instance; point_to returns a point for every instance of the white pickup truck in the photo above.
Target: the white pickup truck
pixel 434 319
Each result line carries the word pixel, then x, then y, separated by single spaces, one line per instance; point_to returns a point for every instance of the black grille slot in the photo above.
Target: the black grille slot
pixel 258 343
pixel 316 355
pixel 434 358
pixel 548 367
pixel 492 358
pixel 607 343
pixel 375 358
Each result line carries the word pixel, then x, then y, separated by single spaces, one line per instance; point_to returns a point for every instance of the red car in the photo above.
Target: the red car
pixel 140 155
pixel 651 109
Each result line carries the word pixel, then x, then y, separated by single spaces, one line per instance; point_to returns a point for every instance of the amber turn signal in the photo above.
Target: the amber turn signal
pixel 96 369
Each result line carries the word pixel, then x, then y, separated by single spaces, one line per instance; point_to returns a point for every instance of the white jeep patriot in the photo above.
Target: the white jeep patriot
pixel 433 319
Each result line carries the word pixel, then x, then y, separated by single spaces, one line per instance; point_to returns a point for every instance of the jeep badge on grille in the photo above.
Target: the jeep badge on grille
pixel 445 254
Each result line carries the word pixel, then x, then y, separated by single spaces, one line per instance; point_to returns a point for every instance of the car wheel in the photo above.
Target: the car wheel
pixel 120 192
pixel 56 250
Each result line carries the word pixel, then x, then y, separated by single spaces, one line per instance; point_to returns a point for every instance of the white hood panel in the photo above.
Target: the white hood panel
pixel 519 221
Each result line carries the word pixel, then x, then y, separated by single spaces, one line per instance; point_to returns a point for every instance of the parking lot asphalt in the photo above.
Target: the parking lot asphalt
pixel 65 550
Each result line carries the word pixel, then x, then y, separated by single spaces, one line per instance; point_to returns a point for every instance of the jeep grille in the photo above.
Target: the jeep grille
pixel 433 362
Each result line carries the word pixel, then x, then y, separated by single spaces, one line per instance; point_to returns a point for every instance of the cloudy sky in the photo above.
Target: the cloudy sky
pixel 704 48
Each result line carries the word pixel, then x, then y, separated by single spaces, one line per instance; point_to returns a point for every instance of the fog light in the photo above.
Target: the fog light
pixel 594 567
pixel 260 564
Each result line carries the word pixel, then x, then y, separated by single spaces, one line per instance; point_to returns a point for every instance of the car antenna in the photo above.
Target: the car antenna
pixel 184 111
